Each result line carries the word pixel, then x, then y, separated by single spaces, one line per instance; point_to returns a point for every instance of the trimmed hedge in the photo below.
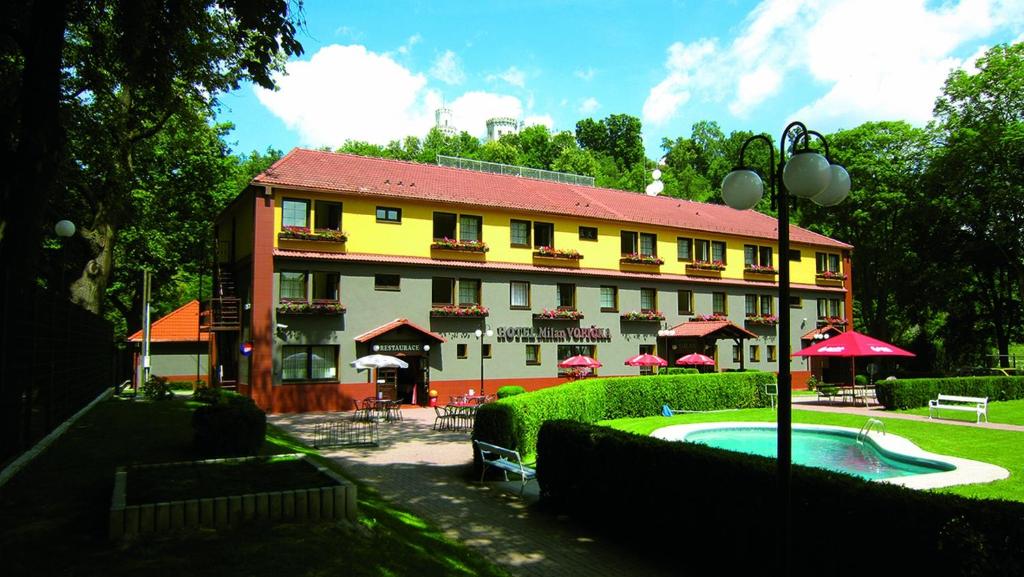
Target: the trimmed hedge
pixel 510 391
pixel 682 371
pixel 721 510
pixel 912 393
pixel 514 422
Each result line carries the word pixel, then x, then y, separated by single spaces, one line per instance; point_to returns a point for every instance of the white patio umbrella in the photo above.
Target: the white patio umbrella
pixel 379 362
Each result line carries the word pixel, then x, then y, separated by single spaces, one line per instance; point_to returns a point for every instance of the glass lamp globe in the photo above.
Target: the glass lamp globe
pixel 655 188
pixel 478 332
pixel 806 174
pixel 838 188
pixel 655 174
pixel 64 228
pixel 742 189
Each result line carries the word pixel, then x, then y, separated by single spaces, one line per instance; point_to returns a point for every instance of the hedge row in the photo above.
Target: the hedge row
pixel 911 393
pixel 514 422
pixel 720 508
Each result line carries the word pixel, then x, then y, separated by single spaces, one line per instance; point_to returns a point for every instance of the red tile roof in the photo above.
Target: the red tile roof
pixel 181 325
pixel 562 271
pixel 385 178
pixel 705 328
pixel 388 327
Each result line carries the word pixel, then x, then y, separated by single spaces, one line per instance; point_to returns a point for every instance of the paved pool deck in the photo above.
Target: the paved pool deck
pixel 811 403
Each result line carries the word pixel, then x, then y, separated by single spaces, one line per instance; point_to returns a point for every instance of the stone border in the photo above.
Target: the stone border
pixel 302 505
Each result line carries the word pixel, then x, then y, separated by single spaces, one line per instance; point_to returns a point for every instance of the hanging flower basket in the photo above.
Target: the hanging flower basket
pixel 313 308
pixel 453 311
pixel 637 258
pixel 642 316
pixel 830 275
pixel 460 245
pixel 712 265
pixel 760 269
pixel 559 315
pixel 711 317
pixel 548 252
pixel 765 321
pixel 303 233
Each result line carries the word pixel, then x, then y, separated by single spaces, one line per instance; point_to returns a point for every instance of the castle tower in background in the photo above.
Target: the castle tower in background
pixel 500 126
pixel 443 121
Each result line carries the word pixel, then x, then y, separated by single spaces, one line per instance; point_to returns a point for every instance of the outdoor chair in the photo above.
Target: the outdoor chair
pixel 393 411
pixel 444 419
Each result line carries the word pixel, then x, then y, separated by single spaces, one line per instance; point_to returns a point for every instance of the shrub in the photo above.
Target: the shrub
pixel 682 371
pixel 731 526
pixel 510 391
pixel 183 385
pixel 157 389
pixel 813 383
pixel 208 395
pixel 234 426
pixel 513 422
pixel 911 393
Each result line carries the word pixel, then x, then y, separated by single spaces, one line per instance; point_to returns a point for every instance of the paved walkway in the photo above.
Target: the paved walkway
pixel 428 472
pixel 809 403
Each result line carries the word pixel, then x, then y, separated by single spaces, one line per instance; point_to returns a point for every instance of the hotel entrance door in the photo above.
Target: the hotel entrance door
pixel 409 379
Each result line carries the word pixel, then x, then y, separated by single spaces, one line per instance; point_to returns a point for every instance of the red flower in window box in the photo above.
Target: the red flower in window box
pixel 714 265
pixel 304 233
pixel 548 252
pixel 471 311
pixel 460 245
pixel 637 258
pixel 711 317
pixel 830 275
pixel 642 316
pixel 559 314
pixel 760 269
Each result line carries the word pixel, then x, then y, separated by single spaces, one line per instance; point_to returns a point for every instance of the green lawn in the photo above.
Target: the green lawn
pixel 55 514
pixel 1007 412
pixel 1001 448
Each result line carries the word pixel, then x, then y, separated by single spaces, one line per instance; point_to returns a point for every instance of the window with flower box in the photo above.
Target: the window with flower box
pixel 519 230
pixel 758 258
pixel 295 212
pixel 293 286
pixel 519 295
pixel 718 251
pixel 684 300
pixel 648 299
pixel 442 291
pixel 471 228
pixel 702 250
pixel 827 265
pixel 469 292
pixel 543 234
pixel 609 299
pixel 642 243
pixel 684 249
pixel 566 296
pixel 309 363
pixel 325 286
pixel 830 308
pixel 719 304
pixel 328 215
pixel 445 225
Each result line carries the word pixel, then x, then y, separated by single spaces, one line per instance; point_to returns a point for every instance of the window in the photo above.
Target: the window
pixel 520 232
pixel 757 255
pixel 648 244
pixel 829 308
pixel 767 306
pixel 325 286
pixel 648 299
pixel 750 305
pixel 684 299
pixel 519 294
pixel 387 282
pixel 718 250
pixel 566 351
pixel 444 225
pixel 629 242
pixel 486 350
pixel 328 215
pixel 469 292
pixel 543 234
pixel 293 286
pixel 471 228
pixel 588 233
pixel 737 353
pixel 388 214
pixel 826 262
pixel 796 302
pixel 794 255
pixel 755 353
pixel 749 254
pixel 702 248
pixel 718 304
pixel 309 363
pixel 609 299
pixel 442 291
pixel 772 353
pixel 766 255
pixel 759 305
pixel 461 350
pixel 295 213
pixel 567 296
pixel 684 248
pixel 533 354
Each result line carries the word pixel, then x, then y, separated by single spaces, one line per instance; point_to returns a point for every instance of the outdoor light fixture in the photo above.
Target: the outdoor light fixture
pixel 806 174
pixel 64 228
pixel 480 334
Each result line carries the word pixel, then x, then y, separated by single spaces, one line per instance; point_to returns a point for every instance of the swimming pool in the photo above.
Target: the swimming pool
pixel 880 457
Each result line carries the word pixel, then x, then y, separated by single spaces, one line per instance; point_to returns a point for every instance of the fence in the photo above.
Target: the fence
pixel 55 357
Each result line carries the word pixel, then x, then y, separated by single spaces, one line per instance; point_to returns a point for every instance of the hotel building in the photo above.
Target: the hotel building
pixel 329 257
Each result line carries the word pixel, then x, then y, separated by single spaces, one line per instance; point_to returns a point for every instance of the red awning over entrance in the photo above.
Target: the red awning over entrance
pixel 710 329
pixel 396 324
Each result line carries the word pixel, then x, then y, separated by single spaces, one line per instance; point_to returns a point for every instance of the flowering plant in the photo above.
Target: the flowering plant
pixel 559 314
pixel 549 252
pixel 707 265
pixel 760 269
pixel 834 321
pixel 459 311
pixel 463 245
pixel 711 317
pixel 315 307
pixel 303 233
pixel 577 373
pixel 637 258
pixel 643 316
pixel 766 320
pixel 831 275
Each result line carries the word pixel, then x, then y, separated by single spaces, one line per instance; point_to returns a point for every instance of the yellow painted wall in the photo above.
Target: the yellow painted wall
pixel 413 237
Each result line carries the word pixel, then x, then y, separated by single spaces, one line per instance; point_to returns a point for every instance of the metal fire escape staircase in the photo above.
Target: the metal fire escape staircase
pixel 220 316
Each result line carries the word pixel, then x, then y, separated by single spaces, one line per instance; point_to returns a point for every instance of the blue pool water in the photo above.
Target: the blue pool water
pixel 825 449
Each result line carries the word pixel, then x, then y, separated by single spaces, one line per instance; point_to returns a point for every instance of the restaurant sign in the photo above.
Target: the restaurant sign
pixel 534 334
pixel 397 347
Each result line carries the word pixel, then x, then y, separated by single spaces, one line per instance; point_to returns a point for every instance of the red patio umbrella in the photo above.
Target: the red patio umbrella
pixel 646 360
pixel 695 359
pixel 853 344
pixel 579 361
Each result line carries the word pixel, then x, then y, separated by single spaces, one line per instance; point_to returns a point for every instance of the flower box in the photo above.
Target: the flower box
pixel 558 315
pixel 834 321
pixel 759 269
pixel 313 308
pixel 708 265
pixel 764 321
pixel 829 275
pixel 303 233
pixel 452 311
pixel 711 317
pixel 642 316
pixel 548 252
pixel 637 258
pixel 459 245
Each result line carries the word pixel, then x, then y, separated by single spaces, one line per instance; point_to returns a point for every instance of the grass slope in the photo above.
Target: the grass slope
pixel 1001 448
pixel 1007 412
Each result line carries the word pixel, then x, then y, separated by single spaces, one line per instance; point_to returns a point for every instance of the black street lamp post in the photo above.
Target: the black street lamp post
pixel 807 174
pixel 480 334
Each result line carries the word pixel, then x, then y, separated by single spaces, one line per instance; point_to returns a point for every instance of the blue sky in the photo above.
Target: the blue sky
pixel 376 71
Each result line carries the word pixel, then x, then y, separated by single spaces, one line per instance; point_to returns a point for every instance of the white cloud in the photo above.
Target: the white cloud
pixel 878 59
pixel 406 48
pixel 513 76
pixel 544 119
pixel 586 75
pixel 471 110
pixel 588 106
pixel 447 69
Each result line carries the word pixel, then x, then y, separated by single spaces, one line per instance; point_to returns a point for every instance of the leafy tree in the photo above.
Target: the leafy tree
pixel 617 136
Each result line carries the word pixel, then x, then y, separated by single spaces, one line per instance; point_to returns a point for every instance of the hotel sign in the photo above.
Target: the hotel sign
pixel 534 334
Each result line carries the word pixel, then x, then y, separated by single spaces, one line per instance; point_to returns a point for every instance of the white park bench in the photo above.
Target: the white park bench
pixel 977 405
pixel 505 459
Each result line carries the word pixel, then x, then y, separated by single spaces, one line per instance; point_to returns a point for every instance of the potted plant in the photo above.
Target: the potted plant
pixel 637 258
pixel 760 269
pixel 465 311
pixel 711 265
pixel 643 316
pixel 549 252
pixel 459 245
pixel 559 314
pixel 304 233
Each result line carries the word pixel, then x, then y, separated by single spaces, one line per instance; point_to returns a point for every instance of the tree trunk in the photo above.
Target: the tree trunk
pixel 90 289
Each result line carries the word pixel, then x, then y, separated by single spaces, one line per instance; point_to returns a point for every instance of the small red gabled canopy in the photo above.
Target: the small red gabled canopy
pixel 853 344
pixel 714 329
pixel 396 324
